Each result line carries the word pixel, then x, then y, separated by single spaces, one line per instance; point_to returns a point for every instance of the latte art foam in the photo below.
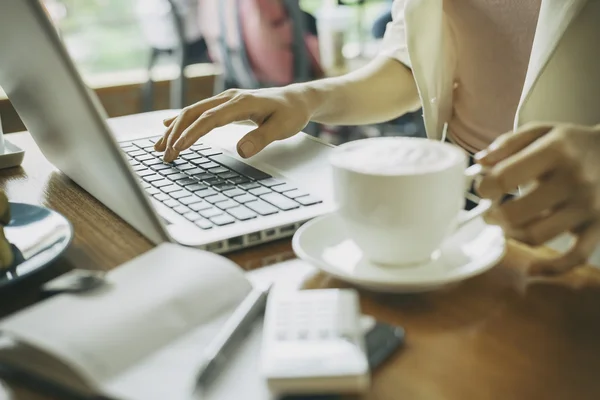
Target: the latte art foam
pixel 396 156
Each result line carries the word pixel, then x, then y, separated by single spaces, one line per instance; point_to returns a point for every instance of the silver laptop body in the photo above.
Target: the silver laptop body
pixel 210 199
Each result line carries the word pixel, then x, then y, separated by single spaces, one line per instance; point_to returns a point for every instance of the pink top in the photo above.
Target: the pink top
pixel 494 39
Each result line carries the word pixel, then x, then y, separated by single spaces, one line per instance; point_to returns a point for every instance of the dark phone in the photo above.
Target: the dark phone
pixel 380 342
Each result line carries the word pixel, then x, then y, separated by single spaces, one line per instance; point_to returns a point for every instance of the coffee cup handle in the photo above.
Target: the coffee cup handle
pixel 474 174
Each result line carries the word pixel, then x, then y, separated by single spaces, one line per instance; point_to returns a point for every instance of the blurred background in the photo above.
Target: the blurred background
pixel 144 55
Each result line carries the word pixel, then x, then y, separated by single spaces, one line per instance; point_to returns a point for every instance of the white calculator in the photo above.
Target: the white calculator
pixel 313 343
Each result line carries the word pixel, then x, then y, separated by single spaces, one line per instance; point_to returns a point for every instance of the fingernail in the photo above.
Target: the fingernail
pixel 481 155
pixel 247 149
pixel 169 155
pixel 179 144
pixel 158 143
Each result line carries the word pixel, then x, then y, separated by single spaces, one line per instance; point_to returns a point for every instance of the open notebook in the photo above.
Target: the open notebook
pixel 140 337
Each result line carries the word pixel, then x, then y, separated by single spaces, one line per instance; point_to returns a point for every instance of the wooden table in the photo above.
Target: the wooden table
pixel 496 336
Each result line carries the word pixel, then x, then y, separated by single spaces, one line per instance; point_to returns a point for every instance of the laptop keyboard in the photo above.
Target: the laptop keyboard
pixel 210 188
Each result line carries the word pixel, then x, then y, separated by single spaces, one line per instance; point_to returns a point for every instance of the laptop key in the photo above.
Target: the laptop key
pixel 223 186
pixel 216 198
pixel 195 171
pixel 133 163
pixel 171 188
pixel 224 205
pixel 202 205
pixel 210 164
pixel 249 185
pixel 136 153
pixel 261 207
pixel 170 171
pixel 160 184
pixel 286 187
pixel 138 167
pixel 203 176
pixel 209 152
pixel 228 175
pixel 144 172
pixel 126 147
pixel 242 213
pixel 174 177
pixel 238 180
pixel 186 152
pixel 181 209
pixel 154 161
pixel 184 181
pixel 199 160
pixel 179 162
pixel 144 157
pixel 240 167
pixel 190 200
pixel 143 143
pixel 307 200
pixel 153 177
pixel 280 201
pixel 145 185
pixel 204 223
pixel 162 197
pixel 160 167
pixel 213 181
pixel 192 216
pixel 152 191
pixel 271 182
pixel 259 191
pixel 200 146
pixel 221 220
pixel 196 187
pixel 211 212
pixel 218 170
pixel 179 194
pixel 233 192
pixel 172 203
pixel 185 167
pixel 245 198
pixel 189 156
pixel 292 194
pixel 205 193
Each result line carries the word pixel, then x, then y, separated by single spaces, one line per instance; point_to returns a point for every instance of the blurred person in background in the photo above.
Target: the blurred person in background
pixel 157 23
pixel 378 29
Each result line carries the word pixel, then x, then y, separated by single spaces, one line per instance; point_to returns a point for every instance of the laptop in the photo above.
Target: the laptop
pixel 209 198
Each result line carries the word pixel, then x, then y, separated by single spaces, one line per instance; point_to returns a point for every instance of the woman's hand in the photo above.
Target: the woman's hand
pixel 562 163
pixel 278 112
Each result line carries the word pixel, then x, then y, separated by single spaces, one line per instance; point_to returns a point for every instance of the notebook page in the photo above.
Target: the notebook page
pixel 171 372
pixel 149 302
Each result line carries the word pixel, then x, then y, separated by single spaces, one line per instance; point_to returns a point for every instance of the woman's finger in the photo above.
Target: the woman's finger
pixel 187 116
pixel 256 140
pixel 221 115
pixel 168 121
pixel 161 144
pixel 564 219
pixel 585 243
pixel 549 193
pixel 511 143
pixel 532 163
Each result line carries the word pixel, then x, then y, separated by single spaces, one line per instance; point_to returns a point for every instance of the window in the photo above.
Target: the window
pixel 101 35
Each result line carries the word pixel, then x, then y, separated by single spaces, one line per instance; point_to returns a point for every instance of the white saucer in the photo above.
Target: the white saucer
pixel 472 250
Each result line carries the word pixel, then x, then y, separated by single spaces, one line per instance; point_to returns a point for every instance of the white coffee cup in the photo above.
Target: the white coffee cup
pixel 401 197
